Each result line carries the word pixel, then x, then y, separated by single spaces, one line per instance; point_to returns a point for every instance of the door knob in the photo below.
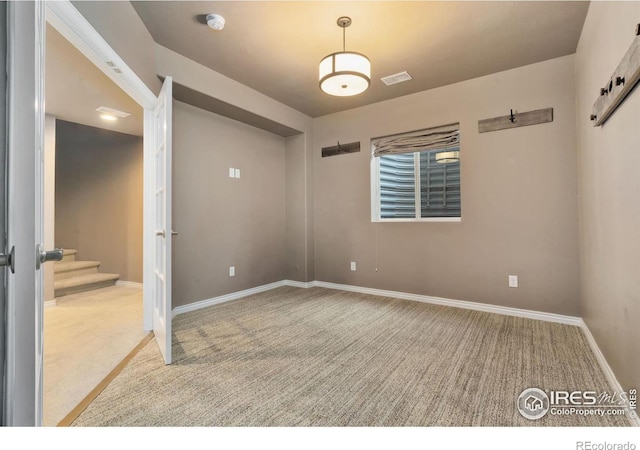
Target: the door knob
pixel 8 259
pixel 43 256
pixel 162 233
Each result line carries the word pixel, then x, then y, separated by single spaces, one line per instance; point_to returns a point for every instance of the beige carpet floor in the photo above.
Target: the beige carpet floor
pixel 86 335
pixel 319 357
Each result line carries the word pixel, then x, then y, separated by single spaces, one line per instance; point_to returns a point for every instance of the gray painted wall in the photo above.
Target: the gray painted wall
pixel 609 168
pixel 99 197
pixel 296 209
pixel 519 197
pixel 224 221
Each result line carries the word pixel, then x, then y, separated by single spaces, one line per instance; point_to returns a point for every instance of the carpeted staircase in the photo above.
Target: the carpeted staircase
pixel 73 276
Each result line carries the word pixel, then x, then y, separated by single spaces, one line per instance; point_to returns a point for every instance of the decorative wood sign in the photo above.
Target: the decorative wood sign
pixel 625 77
pixel 341 149
pixel 516 120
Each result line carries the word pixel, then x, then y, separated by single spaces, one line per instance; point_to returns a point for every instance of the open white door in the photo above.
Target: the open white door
pixel 162 243
pixel 22 391
pixel 25 132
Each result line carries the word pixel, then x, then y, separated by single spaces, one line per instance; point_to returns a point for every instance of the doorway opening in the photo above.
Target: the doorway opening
pixel 93 208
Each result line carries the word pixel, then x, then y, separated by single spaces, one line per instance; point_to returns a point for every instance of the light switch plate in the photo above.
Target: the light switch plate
pixel 513 281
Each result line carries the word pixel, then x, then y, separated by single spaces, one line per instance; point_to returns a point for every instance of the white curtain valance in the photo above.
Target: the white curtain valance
pixel 438 138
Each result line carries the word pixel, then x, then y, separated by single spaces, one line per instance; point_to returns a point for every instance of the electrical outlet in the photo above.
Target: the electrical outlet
pixel 513 281
pixel 232 271
pixel 353 266
pixel 237 173
pixel 232 172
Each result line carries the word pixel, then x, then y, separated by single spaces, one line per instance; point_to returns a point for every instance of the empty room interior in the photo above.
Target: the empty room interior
pixel 384 213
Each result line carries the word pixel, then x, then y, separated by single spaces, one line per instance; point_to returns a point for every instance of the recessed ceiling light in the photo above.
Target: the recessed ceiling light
pixel 396 78
pixel 112 112
pixel 108 117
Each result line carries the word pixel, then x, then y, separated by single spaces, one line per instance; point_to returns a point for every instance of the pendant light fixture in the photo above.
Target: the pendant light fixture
pixel 448 156
pixel 345 73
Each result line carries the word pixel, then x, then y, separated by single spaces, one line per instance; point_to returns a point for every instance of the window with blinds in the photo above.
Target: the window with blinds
pixel 417 175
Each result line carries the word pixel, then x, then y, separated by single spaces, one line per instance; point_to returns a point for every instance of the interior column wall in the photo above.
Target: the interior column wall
pixel 224 221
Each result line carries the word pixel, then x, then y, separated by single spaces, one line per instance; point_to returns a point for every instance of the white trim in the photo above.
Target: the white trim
pixel 71 24
pixel 604 365
pixel 40 41
pixel 299 284
pixel 50 303
pixel 422 219
pixel 503 310
pixel 225 298
pixel 148 225
pixel 129 284
pixel 484 307
pixel 375 188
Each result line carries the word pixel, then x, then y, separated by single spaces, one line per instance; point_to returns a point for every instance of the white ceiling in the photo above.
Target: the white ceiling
pixel 75 87
pixel 275 47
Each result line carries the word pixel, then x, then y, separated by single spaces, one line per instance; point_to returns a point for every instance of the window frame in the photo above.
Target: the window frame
pixel 376 201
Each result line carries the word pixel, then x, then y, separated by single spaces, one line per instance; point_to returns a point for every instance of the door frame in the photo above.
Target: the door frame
pixel 70 23
pixel 25 141
pixel 23 403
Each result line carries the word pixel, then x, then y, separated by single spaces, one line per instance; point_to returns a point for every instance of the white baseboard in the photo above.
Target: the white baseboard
pixel 50 303
pixel 504 310
pixel 604 365
pixel 225 298
pixel 130 284
pixel 299 284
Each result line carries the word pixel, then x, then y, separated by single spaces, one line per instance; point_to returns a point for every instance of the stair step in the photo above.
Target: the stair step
pixel 84 283
pixel 69 254
pixel 70 269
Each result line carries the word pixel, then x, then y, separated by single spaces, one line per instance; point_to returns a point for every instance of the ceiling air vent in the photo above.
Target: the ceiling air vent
pixel 396 78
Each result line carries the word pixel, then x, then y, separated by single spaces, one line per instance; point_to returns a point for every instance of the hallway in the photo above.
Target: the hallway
pixel 86 335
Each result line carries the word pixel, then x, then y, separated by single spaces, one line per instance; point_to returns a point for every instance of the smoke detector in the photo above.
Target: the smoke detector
pixel 215 21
